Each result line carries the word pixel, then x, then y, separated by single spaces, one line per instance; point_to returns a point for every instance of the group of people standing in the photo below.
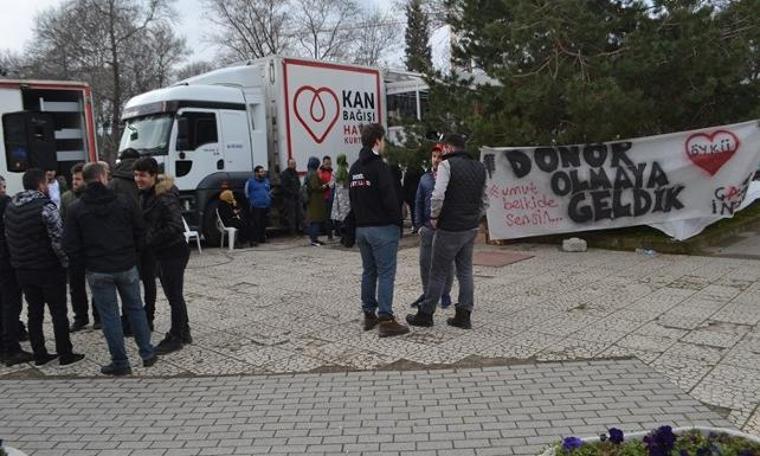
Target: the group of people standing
pixel 113 230
pixel 450 202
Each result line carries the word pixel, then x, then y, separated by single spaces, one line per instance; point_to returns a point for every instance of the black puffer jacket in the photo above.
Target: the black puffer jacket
pixel 33 231
pixel 164 229
pixel 103 231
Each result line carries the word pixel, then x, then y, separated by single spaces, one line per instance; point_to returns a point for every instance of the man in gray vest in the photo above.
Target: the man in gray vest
pixel 456 208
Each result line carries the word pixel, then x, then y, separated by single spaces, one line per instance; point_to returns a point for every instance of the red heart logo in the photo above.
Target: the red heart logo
pixel 710 151
pixel 317 110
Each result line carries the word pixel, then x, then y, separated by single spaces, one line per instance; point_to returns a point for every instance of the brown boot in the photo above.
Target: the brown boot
pixel 370 321
pixel 389 327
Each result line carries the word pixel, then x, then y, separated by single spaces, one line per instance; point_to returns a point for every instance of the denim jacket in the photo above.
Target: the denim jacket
pixel 422 201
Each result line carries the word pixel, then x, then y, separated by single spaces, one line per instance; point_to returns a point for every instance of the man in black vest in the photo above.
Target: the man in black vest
pixel 33 230
pixel 457 205
pixel 10 298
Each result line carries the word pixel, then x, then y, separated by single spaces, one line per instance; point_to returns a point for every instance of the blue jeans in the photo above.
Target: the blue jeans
pixel 104 287
pixel 379 247
pixel 314 231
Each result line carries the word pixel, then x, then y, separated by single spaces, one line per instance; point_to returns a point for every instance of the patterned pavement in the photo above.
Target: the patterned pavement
pixel 289 308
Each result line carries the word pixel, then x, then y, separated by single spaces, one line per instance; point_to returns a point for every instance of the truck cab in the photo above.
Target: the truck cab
pixel 207 137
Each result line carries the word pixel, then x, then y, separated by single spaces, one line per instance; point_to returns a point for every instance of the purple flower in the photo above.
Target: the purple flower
pixel 683 453
pixel 660 441
pixel 616 436
pixel 571 443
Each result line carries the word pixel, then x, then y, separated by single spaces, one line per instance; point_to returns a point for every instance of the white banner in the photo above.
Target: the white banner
pixel 678 183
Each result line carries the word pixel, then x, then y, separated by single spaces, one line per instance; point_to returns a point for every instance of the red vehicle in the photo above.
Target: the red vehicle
pixel 44 124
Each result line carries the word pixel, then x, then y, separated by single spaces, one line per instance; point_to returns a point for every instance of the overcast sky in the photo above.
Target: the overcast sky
pixel 17 21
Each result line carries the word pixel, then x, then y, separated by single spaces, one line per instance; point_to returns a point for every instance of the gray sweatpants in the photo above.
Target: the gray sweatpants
pixel 448 247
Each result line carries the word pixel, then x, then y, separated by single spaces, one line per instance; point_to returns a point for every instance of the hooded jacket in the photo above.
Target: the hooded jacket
pixel 123 180
pixel 164 229
pixel 374 193
pixel 103 231
pixel 33 231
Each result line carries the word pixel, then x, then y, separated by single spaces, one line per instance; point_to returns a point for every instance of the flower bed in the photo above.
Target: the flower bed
pixel 663 441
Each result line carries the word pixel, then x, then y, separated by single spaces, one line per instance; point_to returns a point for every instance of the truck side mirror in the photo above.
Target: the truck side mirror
pixel 183 129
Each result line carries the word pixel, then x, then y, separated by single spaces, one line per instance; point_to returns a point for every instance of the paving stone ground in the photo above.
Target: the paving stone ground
pixel 504 410
pixel 288 308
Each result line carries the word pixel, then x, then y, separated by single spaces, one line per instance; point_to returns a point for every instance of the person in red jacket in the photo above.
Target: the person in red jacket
pixel 327 178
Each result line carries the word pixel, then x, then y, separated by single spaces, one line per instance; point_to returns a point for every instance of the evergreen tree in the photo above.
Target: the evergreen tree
pixel 418 52
pixel 576 71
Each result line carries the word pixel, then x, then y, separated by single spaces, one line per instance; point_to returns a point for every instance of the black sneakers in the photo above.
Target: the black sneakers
pixel 169 344
pixel 115 371
pixel 41 360
pixel 150 361
pixel 71 358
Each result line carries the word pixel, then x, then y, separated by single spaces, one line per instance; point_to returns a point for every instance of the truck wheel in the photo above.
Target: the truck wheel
pixel 210 231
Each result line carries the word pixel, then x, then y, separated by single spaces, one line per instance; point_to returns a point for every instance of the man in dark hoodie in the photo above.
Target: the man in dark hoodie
pixel 10 298
pixel 376 203
pixel 103 233
pixel 33 230
pixel 123 183
pixel 164 235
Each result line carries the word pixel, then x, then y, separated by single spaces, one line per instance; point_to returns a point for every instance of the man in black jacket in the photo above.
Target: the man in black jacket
pixel 103 234
pixel 290 184
pixel 376 203
pixel 457 205
pixel 10 298
pixel 164 236
pixel 33 230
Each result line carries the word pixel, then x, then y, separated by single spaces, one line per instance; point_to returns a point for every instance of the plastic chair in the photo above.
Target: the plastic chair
pixel 189 235
pixel 230 231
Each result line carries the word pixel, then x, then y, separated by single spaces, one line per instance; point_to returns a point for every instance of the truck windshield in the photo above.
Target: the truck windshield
pixel 148 135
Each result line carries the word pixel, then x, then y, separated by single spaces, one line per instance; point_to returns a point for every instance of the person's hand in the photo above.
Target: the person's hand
pixel 434 223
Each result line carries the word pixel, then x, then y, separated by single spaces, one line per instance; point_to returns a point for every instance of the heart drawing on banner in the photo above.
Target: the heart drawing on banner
pixel 317 110
pixel 710 151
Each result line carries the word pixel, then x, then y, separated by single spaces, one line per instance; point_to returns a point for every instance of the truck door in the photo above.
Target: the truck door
pixel 236 141
pixel 197 147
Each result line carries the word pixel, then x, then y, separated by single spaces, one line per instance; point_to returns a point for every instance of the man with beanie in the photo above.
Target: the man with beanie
pixel 33 230
pixel 376 203
pixel 104 231
pixel 457 205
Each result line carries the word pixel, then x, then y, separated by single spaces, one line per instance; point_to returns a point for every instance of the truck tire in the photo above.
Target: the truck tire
pixel 210 231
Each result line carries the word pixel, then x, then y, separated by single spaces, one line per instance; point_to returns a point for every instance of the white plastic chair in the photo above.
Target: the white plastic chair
pixel 189 235
pixel 229 230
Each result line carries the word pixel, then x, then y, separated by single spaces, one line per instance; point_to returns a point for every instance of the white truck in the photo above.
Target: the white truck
pixel 44 124
pixel 211 130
